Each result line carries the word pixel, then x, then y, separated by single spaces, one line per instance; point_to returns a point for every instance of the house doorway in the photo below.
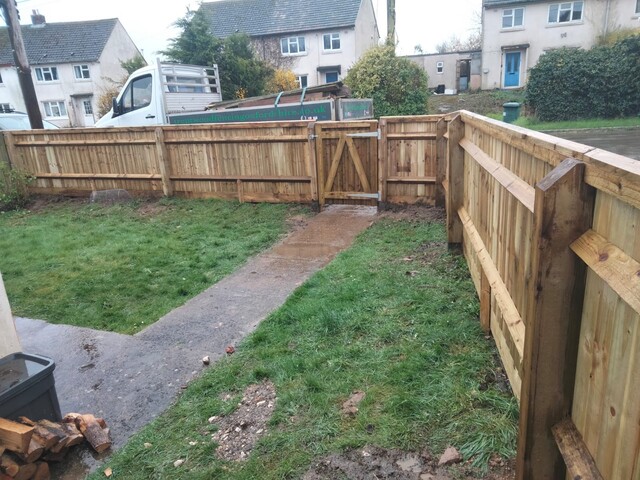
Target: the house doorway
pixel 512 69
pixel 83 107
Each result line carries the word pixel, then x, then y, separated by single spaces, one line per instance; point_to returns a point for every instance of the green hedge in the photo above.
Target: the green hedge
pixel 603 82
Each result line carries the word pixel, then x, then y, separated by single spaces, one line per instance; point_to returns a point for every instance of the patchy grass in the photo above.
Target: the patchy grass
pixel 395 316
pixel 487 102
pixel 122 267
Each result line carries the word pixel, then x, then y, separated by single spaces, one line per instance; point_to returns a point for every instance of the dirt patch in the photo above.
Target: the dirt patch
pixel 378 463
pixel 43 202
pixel 238 432
pixel 418 213
pixel 151 208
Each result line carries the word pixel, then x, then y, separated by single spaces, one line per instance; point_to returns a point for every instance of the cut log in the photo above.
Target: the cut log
pixel 97 436
pixel 47 436
pixel 74 437
pixel 42 473
pixel 8 465
pixel 27 471
pixel 15 436
pixel 35 451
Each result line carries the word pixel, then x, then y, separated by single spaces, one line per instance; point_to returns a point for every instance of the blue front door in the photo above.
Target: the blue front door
pixel 512 70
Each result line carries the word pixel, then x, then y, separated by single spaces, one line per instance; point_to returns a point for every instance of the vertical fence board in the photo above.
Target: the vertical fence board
pixel 455 169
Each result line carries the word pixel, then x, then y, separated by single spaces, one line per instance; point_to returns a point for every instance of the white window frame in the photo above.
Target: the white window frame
pixel 306 80
pixel 87 107
pixel 285 48
pixel 5 108
pixel 439 68
pixel 55 109
pixel 81 72
pixel 510 13
pixel 330 72
pixel 566 7
pixel 637 7
pixel 47 74
pixel 332 37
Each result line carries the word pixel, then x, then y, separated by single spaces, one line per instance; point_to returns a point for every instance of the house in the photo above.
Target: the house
pixel 451 72
pixel 72 63
pixel 517 32
pixel 317 39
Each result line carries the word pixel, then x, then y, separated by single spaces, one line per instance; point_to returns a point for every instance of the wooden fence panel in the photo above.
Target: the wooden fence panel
pixel 606 408
pixel 410 159
pixel 502 165
pixel 272 162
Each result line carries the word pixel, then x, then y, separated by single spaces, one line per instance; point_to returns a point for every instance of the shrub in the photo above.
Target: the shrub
pixel 397 85
pixel 603 82
pixel 13 187
pixel 281 81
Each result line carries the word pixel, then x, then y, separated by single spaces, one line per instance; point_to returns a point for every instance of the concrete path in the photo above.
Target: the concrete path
pixel 129 380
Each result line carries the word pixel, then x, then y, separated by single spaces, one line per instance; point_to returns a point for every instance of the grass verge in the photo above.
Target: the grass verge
pixel 534 124
pixel 394 316
pixel 122 267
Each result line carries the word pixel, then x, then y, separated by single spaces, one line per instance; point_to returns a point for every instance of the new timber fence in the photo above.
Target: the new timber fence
pixel 549 229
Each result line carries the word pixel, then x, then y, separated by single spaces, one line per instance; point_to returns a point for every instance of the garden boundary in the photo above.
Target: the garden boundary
pixel 549 229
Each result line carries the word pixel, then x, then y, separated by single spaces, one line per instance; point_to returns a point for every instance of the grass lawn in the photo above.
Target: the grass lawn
pixel 395 316
pixel 122 267
pixel 534 124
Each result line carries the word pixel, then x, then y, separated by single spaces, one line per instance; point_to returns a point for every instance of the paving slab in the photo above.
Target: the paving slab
pixel 129 380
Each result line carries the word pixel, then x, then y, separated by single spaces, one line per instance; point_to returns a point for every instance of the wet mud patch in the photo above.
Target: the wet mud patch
pixel 421 213
pixel 385 464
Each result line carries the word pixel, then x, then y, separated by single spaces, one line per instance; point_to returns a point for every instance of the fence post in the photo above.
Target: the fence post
pixel 383 159
pixel 441 160
pixel 563 212
pixel 163 162
pixel 455 180
pixel 312 166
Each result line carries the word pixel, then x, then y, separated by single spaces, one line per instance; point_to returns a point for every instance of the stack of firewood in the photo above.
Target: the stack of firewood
pixel 27 446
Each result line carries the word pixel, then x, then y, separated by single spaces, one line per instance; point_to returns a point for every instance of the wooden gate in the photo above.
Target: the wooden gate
pixel 347 160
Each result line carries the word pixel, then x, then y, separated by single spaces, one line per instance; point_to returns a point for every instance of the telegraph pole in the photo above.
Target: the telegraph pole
pixel 391 22
pixel 10 13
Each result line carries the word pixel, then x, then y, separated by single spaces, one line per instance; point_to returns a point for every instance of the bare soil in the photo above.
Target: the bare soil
pixel 239 432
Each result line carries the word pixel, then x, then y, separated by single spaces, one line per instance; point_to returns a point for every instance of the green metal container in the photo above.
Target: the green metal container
pixel 511 112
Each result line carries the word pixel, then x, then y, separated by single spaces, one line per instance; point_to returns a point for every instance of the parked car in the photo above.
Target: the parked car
pixel 20 121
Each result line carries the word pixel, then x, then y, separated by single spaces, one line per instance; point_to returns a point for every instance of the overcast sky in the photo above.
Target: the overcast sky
pixel 149 22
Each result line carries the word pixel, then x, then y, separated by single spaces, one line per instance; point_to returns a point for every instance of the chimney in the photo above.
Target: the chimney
pixel 37 20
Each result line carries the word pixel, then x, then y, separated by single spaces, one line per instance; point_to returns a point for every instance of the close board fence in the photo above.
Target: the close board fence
pixel 549 229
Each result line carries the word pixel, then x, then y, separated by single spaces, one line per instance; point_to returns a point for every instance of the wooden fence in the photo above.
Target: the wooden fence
pixel 250 162
pixel 549 228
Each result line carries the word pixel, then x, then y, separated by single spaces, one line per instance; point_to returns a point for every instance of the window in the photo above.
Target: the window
pixel 330 77
pixel 55 109
pixel 46 74
pixel 1 82
pixel 512 17
pixel 5 108
pixel 565 12
pixel 81 72
pixel 88 108
pixel 292 45
pixel 638 6
pixel 137 94
pixel 439 67
pixel 331 41
pixel 302 81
